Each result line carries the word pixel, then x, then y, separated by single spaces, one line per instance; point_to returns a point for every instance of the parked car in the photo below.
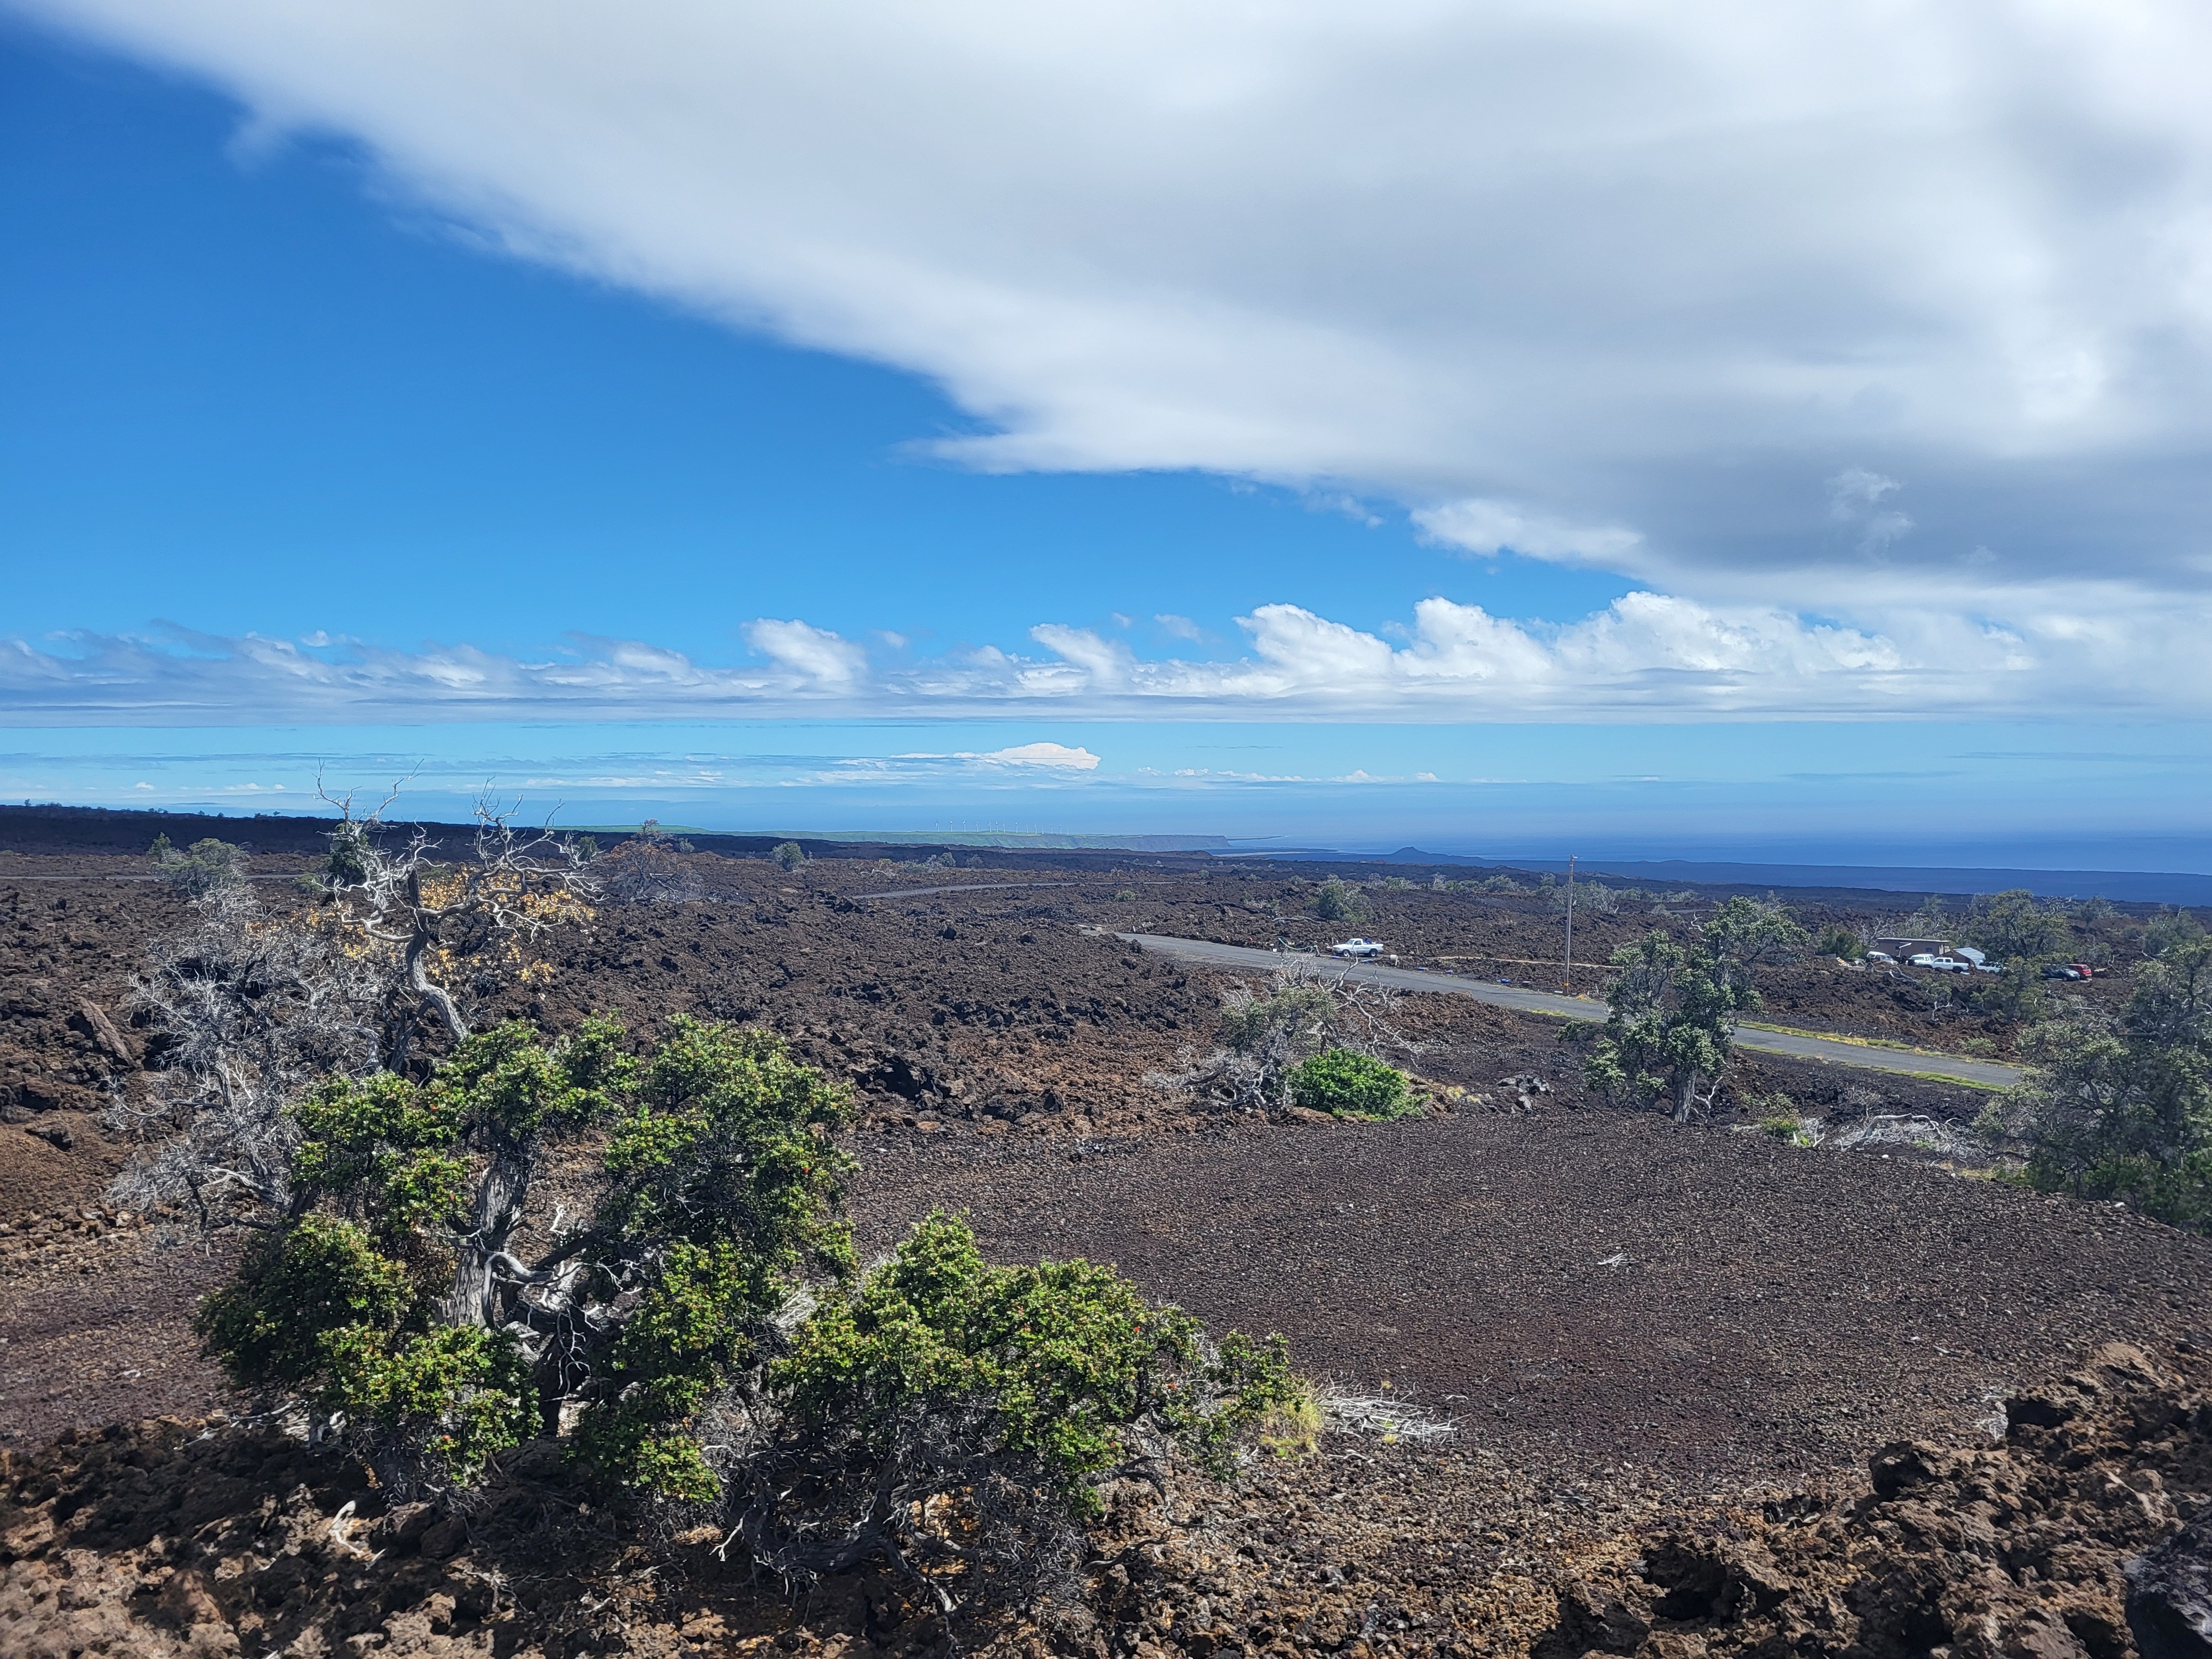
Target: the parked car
pixel 1943 965
pixel 1982 963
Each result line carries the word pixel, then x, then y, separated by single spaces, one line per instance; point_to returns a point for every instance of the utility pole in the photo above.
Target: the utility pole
pixel 1571 924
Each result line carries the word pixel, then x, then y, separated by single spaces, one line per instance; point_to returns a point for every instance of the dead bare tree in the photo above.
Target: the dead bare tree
pixel 247 1009
pixel 1265 1036
pixel 450 930
pixel 646 871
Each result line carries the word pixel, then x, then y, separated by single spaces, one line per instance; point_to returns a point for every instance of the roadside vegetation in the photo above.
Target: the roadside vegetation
pixel 1340 900
pixel 697 1338
pixel 1311 1040
pixel 2119 1106
pixel 1671 1033
pixel 1345 1083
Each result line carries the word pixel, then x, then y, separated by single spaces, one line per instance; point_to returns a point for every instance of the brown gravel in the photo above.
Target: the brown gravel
pixel 1583 1288
pixel 1634 1325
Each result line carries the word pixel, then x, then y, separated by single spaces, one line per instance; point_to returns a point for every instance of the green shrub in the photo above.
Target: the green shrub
pixel 701 1336
pixel 1668 1038
pixel 1347 1084
pixel 1058 1363
pixel 1296 1015
pixel 2013 926
pixel 387 1295
pixel 205 866
pixel 1782 1128
pixel 2120 1106
pixel 2168 930
pixel 789 855
pixel 1337 900
pixel 1840 941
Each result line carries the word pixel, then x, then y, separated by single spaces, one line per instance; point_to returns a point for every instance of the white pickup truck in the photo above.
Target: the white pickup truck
pixel 1356 947
pixel 1942 964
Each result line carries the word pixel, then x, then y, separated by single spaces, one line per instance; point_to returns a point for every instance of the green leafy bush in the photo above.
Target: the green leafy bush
pixel 386 1293
pixel 702 1338
pixel 955 1413
pixel 1298 1012
pixel 2013 926
pixel 2121 1107
pixel 1061 1365
pixel 2168 930
pixel 1348 1083
pixel 1672 1029
pixel 1338 901
pixel 1669 1037
pixel 1838 940
pixel 789 855
pixel 201 868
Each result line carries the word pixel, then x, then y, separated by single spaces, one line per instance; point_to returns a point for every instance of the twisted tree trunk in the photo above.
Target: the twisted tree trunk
pixel 475 1296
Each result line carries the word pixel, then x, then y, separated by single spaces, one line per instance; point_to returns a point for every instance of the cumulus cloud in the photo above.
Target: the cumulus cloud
pixel 1483 526
pixel 1593 281
pixel 812 655
pixel 1648 656
pixel 1058 754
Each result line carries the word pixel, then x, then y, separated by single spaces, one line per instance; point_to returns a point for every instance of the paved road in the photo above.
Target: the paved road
pixel 986 887
pixel 961 887
pixel 1987 1073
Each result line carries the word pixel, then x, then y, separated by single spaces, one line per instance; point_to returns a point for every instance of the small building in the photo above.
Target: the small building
pixel 1905 948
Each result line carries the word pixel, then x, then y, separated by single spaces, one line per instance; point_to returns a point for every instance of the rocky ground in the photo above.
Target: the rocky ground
pixel 169 1538
pixel 2025 1549
pixel 1644 1335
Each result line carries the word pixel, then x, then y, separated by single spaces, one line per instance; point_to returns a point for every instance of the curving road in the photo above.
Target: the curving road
pixel 1838 1051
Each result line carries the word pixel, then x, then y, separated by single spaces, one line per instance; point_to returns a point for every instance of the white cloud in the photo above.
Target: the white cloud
pixel 1029 761
pixel 1105 664
pixel 813 653
pixel 1045 754
pixel 1485 526
pixel 180 677
pixel 1595 280
pixel 1648 655
pixel 1179 628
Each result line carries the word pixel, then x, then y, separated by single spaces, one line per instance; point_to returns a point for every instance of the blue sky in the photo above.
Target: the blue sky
pixel 238 378
pixel 347 417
